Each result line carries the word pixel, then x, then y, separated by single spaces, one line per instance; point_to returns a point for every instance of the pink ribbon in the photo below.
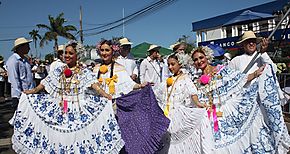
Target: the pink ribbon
pixel 65 108
pixel 215 120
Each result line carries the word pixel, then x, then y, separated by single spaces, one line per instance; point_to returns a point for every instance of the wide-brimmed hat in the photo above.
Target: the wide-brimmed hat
pixel 1 59
pixel 60 48
pixel 20 41
pixel 125 41
pixel 248 35
pixel 174 45
pixel 153 47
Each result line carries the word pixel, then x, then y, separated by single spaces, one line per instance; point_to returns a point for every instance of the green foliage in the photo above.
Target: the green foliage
pixel 55 29
pixel 35 36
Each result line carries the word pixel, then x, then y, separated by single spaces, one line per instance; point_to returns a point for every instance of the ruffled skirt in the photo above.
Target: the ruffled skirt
pixel 41 126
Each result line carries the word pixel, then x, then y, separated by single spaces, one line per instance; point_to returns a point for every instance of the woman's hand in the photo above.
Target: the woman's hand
pixel 139 86
pixel 31 91
pixel 34 90
pixel 108 96
pixel 99 90
pixel 260 70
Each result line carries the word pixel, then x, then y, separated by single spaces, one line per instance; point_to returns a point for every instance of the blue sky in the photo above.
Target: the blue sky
pixel 162 27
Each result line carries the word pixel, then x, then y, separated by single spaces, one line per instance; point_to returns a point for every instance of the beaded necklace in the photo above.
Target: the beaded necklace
pixel 167 107
pixel 66 82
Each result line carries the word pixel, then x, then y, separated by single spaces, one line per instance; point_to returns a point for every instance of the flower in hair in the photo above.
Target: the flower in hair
pixel 67 72
pixel 208 53
pixel 115 47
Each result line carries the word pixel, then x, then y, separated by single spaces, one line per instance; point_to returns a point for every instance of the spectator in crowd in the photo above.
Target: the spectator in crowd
pixel 3 76
pixel 179 47
pixel 38 71
pixel 249 42
pixel 19 69
pixel 126 58
pixel 47 65
pixel 150 70
pixel 59 61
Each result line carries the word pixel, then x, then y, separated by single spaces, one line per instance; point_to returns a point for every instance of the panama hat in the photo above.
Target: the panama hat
pixel 228 56
pixel 60 48
pixel 1 59
pixel 153 47
pixel 20 41
pixel 248 35
pixel 174 45
pixel 125 41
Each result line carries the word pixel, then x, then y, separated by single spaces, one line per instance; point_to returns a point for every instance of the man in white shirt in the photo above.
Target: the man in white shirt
pixel 248 42
pixel 38 71
pixel 150 70
pixel 59 60
pixel 126 58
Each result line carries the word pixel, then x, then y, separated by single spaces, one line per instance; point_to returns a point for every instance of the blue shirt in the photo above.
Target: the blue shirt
pixel 19 75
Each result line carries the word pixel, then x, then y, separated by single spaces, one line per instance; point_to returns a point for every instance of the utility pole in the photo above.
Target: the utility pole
pixel 123 23
pixel 81 25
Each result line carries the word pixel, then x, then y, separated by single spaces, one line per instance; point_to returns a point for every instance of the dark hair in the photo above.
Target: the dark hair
pixel 73 45
pixel 173 56
pixel 111 43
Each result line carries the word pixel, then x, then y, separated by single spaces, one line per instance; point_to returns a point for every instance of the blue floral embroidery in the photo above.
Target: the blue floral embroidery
pixel 59 118
pixel 17 124
pixel 71 116
pixel 28 131
pixel 84 117
pixel 108 137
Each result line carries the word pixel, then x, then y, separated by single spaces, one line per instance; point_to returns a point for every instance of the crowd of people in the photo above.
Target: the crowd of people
pixel 180 103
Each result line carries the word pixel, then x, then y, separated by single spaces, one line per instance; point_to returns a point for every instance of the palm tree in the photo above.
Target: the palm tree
pixel 55 29
pixel 35 36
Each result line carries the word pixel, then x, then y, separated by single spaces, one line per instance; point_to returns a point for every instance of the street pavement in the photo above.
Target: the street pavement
pixel 6 112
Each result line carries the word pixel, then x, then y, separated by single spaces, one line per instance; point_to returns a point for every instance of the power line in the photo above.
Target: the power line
pixel 132 17
pixel 4 40
pixel 15 27
pixel 129 16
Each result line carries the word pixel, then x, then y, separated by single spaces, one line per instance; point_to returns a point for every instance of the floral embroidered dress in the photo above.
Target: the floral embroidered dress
pixel 189 130
pixel 245 120
pixel 67 120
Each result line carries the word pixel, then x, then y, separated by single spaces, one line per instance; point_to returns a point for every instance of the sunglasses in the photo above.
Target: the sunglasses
pixel 105 49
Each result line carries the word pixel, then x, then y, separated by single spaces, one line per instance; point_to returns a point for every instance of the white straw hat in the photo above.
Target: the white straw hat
pixel 248 35
pixel 20 41
pixel 125 41
pixel 60 48
pixel 151 47
pixel 174 45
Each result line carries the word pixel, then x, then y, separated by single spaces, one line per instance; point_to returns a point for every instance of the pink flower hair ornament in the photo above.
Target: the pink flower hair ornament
pixel 114 45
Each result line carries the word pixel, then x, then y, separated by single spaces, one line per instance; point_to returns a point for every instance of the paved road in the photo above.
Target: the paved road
pixel 6 112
